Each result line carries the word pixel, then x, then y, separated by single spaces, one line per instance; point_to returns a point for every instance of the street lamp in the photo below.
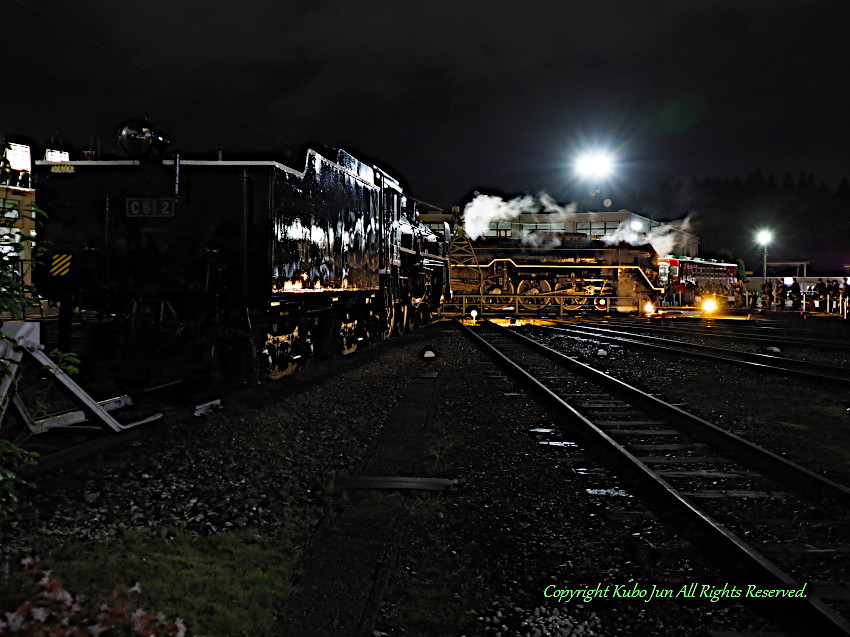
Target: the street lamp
pixel 764 237
pixel 595 167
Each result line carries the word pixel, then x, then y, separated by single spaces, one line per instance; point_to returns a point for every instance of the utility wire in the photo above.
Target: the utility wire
pixel 165 80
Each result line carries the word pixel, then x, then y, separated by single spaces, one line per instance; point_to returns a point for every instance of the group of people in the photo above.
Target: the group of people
pixel 776 295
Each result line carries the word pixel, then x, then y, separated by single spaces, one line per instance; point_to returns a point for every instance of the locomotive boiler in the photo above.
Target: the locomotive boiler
pixel 238 265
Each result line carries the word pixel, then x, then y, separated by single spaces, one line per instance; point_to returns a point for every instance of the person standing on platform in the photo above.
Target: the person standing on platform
pixel 766 294
pixel 779 293
pixel 796 295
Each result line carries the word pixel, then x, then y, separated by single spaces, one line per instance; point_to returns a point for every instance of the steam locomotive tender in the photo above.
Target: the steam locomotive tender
pixel 239 265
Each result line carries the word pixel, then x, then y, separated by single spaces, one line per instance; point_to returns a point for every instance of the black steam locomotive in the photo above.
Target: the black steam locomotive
pixel 236 265
pixel 551 273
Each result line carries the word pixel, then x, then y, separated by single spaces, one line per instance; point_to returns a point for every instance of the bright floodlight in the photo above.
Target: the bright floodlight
pixel 594 165
pixel 764 237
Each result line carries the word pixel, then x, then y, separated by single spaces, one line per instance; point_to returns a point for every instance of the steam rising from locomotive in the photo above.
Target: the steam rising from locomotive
pixel 664 239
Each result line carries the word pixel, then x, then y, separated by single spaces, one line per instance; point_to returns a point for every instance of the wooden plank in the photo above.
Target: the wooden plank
pixel 392 482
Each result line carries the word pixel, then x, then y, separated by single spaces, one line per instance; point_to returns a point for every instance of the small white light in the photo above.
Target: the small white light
pixel 636 225
pixel 788 280
pixel 648 308
pixel 764 237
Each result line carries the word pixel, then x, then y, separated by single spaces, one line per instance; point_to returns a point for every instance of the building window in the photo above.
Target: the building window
pixel 531 227
pixel 499 229
pixel 597 228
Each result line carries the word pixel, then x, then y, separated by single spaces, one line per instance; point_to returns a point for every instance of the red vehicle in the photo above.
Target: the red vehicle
pixel 701 272
pixel 675 273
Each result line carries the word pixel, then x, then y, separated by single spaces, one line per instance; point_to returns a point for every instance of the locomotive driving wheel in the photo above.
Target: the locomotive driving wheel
pixel 537 288
pixel 351 334
pixel 571 301
pixel 388 317
pixel 286 353
pixel 419 316
pixel 494 286
pixel 402 317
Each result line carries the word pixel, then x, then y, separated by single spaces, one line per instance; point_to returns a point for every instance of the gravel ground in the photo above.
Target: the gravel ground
pixel 473 561
pixel 523 520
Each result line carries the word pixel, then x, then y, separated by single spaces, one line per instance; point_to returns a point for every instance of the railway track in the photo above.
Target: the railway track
pixel 716 486
pixel 758 335
pixel 761 362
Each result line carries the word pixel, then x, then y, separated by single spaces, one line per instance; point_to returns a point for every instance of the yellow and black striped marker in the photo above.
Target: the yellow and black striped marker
pixel 60 265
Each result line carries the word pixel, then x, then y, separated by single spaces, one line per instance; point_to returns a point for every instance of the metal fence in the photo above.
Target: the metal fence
pixel 537 304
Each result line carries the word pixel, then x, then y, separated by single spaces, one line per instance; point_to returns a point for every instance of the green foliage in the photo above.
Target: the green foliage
pixel 43 606
pixel 11 457
pixel 229 583
pixel 14 297
pixel 67 362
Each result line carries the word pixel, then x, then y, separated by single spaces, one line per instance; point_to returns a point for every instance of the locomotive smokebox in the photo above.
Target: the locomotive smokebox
pixel 141 138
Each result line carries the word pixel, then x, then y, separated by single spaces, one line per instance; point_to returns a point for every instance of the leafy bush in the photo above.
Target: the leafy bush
pixel 45 607
pixel 11 457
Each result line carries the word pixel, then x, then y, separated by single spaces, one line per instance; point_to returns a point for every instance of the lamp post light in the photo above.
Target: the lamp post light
pixel 595 168
pixel 594 165
pixel 764 237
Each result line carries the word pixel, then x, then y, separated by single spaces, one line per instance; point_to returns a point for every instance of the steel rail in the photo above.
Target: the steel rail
pixel 796 476
pixel 726 332
pixel 762 362
pixel 811 612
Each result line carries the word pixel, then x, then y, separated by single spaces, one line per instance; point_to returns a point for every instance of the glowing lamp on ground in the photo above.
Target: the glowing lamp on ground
pixel 474 315
pixel 709 306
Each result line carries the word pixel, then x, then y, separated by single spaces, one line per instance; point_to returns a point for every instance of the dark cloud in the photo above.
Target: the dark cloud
pixel 454 94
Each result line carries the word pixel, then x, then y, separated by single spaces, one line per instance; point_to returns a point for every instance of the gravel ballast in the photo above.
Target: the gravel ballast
pixel 475 560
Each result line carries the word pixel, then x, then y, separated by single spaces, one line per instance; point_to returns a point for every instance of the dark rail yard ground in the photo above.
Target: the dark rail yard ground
pixel 240 522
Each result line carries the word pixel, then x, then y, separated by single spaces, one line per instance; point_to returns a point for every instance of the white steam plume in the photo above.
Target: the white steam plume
pixel 663 239
pixel 479 213
pixel 483 210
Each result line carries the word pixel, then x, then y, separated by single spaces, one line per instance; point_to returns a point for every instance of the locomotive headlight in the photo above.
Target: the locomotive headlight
pixel 601 302
pixel 709 306
pixel 648 308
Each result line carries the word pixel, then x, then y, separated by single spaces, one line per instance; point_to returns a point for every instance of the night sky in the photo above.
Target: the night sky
pixel 450 95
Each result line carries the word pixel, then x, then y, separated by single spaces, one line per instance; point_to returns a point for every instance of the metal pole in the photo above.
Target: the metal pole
pixel 107 246
pixel 764 269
